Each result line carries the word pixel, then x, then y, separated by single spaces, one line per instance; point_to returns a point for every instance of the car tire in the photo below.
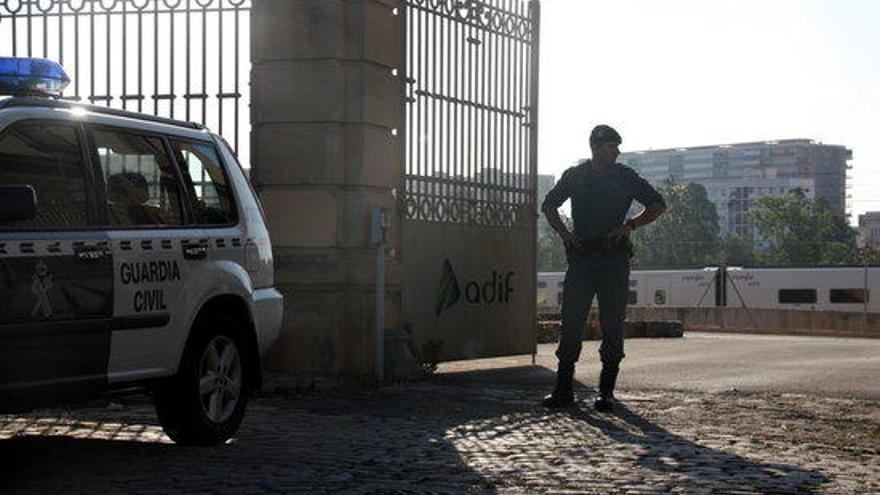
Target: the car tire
pixel 204 403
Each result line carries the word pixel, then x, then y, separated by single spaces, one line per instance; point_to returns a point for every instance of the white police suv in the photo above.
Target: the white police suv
pixel 133 253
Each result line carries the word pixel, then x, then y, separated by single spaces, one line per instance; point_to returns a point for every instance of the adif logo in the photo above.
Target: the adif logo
pixel 496 289
pixel 448 293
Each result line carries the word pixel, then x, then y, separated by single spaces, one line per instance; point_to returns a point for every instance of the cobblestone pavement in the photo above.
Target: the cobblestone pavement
pixel 443 436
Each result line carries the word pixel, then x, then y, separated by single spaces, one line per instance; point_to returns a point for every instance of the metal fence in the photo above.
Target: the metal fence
pixel 185 59
pixel 471 132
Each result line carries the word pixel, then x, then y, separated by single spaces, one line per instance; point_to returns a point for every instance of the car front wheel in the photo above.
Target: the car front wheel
pixel 205 402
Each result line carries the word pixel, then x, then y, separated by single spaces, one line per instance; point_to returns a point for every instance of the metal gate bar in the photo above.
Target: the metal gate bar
pixel 471 96
pixel 54 28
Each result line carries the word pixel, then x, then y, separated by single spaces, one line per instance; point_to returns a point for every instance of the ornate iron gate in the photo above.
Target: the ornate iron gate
pixel 469 198
pixel 183 59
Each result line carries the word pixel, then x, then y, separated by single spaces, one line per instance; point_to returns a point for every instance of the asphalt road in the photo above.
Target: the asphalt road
pixel 710 362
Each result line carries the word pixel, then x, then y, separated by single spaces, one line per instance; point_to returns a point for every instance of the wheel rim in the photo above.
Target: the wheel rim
pixel 220 379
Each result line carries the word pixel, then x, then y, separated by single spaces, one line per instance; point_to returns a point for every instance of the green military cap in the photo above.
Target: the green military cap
pixel 604 134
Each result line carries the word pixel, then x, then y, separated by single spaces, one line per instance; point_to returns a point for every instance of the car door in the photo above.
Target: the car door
pixel 153 242
pixel 55 268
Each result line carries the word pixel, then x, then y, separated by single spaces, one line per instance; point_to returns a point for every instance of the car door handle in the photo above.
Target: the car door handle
pixel 194 251
pixel 91 252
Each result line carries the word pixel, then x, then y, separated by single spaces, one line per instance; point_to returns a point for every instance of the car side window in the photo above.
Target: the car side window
pixel 212 198
pixel 48 157
pixel 142 188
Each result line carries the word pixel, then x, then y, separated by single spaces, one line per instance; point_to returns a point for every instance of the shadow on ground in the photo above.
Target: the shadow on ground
pixel 664 452
pixel 475 432
pixel 601 444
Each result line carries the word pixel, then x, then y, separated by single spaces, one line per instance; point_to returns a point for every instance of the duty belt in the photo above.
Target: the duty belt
pixel 601 247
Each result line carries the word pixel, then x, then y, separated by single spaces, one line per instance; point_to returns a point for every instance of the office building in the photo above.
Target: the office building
pixel 735 175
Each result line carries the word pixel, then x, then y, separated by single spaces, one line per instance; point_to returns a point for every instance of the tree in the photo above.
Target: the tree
pixel 737 250
pixel 802 231
pixel 870 254
pixel 686 235
pixel 551 251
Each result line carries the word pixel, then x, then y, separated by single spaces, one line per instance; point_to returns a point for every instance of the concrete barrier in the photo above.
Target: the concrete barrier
pixel 549 330
pixel 781 321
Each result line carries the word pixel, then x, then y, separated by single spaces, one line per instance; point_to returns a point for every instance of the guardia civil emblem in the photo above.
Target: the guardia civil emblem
pixel 41 284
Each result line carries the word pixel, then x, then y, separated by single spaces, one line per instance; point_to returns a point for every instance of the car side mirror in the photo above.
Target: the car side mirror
pixel 17 202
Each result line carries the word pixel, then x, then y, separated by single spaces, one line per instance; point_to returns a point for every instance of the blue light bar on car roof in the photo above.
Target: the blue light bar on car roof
pixel 31 76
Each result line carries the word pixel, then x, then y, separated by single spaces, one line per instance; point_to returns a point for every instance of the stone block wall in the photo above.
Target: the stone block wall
pixel 325 102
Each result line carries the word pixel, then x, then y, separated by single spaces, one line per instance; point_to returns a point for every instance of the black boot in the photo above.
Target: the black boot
pixel 562 395
pixel 607 379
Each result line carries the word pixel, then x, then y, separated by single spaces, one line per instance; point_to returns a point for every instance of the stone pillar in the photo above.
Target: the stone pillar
pixel 326 105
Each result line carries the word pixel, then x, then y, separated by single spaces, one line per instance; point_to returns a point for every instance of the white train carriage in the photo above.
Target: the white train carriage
pixel 660 288
pixel 550 291
pixel 672 288
pixel 808 289
pixel 812 289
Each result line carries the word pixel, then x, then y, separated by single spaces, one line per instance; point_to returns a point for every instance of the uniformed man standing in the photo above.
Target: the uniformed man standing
pixel 598 253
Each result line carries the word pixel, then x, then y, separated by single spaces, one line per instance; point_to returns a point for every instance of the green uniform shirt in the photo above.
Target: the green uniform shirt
pixel 600 200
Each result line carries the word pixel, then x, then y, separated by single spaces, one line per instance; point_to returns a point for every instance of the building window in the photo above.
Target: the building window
pixel 797 296
pixel 676 166
pixel 849 296
pixel 720 164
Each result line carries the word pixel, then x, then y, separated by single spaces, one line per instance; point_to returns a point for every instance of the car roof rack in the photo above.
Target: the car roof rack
pixel 32 101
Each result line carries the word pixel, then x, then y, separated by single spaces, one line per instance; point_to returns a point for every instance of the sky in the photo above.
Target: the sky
pixel 682 73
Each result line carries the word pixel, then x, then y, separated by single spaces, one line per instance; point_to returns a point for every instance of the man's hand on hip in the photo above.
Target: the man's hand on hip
pixel 616 234
pixel 571 240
